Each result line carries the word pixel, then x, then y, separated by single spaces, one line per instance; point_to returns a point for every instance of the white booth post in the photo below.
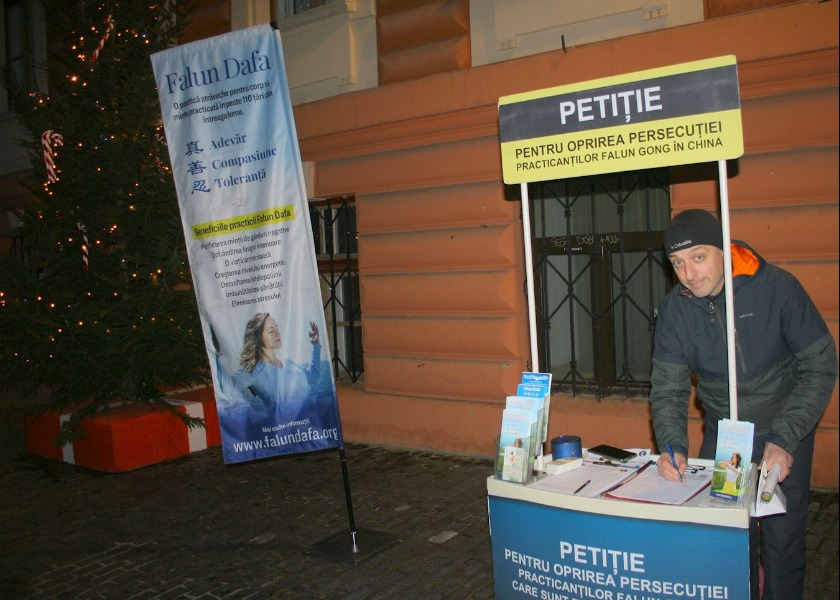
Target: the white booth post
pixel 529 276
pixel 728 292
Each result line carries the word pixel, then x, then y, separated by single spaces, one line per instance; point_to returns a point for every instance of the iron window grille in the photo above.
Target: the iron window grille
pixel 600 274
pixel 337 253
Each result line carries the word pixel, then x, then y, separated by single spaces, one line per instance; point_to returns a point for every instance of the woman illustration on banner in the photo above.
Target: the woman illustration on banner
pixel 733 469
pixel 274 386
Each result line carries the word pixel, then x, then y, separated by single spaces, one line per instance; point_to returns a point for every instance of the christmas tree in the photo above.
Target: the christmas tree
pixel 101 308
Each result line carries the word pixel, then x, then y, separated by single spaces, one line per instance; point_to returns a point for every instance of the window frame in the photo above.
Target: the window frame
pixel 596 270
pixel 289 8
pixel 336 250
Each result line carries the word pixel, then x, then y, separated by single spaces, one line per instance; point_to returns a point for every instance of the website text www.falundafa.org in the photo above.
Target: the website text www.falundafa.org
pixel 277 440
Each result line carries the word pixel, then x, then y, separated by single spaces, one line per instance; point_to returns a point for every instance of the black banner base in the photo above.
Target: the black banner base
pixel 340 547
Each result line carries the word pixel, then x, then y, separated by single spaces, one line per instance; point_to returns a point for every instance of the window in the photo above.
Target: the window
pixel 25 44
pixel 599 277
pixel 287 8
pixel 336 249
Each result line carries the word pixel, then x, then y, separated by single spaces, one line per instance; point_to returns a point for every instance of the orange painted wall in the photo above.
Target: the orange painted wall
pixel 416 38
pixel 444 312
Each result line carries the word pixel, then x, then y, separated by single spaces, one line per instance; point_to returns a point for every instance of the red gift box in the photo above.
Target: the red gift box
pixel 130 436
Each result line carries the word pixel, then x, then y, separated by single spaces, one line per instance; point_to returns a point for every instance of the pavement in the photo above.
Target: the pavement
pixel 274 528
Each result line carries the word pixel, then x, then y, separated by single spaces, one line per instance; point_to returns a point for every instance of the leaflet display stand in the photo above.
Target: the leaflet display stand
pixel 559 547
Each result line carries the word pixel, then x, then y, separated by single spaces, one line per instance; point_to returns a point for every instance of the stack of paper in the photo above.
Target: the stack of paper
pixel 588 481
pixel 561 465
pixel 649 486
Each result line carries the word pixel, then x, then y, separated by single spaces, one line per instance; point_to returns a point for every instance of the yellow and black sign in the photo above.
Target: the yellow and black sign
pixel 682 114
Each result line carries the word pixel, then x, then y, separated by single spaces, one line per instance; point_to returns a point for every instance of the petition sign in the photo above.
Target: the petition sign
pixel 682 114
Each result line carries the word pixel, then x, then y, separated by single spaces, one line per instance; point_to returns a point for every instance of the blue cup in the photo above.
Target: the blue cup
pixel 566 446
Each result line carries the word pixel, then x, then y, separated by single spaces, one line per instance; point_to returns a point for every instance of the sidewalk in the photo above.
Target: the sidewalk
pixel 195 528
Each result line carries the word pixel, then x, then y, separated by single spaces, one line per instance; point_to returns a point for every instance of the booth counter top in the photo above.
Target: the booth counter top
pixel 702 508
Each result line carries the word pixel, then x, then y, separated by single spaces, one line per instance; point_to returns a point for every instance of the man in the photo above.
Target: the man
pixel 786 369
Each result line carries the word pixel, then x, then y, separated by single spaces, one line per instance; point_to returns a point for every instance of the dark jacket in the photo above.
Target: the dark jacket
pixel 786 358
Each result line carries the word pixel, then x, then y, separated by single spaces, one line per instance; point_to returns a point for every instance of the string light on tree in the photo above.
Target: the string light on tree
pixel 110 189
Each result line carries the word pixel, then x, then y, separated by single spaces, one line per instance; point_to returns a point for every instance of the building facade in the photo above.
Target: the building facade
pixel 396 112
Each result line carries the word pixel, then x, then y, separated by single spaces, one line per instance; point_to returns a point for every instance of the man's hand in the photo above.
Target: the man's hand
pixel 666 467
pixel 776 455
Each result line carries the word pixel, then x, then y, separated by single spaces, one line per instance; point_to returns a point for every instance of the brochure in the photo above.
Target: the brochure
pixel 512 462
pixel 534 406
pixel 733 455
pixel 538 384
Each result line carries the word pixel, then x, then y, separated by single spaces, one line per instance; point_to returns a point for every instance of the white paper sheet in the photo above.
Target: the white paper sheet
pixel 597 477
pixel 649 486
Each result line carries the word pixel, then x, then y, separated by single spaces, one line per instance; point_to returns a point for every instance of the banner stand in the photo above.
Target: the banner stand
pixel 233 147
pixel 361 543
pixel 356 547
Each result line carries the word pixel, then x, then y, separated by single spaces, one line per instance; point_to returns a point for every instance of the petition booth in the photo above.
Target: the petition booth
pixel 585 541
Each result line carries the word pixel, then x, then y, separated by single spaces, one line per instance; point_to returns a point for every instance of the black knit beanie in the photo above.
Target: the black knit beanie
pixel 693 227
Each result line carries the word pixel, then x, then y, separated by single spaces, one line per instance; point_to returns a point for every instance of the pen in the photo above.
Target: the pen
pixel 674 460
pixel 585 483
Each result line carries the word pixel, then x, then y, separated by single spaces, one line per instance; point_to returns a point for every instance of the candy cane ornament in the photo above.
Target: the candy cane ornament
pixel 49 139
pixel 110 21
pixel 85 245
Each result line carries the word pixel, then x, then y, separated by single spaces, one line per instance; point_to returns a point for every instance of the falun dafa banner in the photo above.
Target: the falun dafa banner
pixel 236 164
